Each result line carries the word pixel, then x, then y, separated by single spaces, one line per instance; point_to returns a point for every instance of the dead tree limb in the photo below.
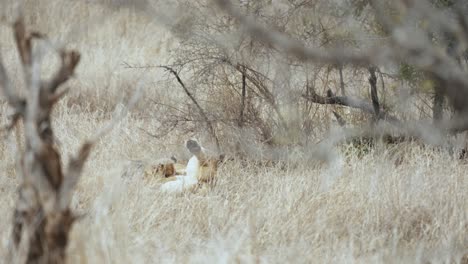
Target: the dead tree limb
pixel 341 100
pixel 340 119
pixel 243 95
pixel 382 81
pixel 253 77
pixel 373 88
pixel 349 101
pixel 43 218
pixel 437 107
pixel 195 102
pixel 342 84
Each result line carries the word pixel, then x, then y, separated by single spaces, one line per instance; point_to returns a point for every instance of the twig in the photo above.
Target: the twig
pixel 243 94
pixel 342 84
pixel 373 88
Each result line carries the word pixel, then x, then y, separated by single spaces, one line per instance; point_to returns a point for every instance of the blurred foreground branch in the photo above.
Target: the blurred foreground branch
pixel 43 218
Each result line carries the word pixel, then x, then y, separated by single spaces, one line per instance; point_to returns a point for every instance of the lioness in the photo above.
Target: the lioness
pixel 201 168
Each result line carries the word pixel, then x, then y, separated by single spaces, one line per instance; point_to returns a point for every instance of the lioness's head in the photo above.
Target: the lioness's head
pixel 162 168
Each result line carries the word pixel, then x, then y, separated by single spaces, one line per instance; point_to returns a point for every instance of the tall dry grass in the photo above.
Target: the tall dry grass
pixel 405 204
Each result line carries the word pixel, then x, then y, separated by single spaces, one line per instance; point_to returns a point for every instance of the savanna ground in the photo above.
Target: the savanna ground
pixel 397 204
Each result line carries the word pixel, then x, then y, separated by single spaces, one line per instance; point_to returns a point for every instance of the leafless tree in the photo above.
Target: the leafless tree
pixel 42 218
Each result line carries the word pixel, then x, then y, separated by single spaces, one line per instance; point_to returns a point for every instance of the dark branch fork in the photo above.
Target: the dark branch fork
pixel 43 218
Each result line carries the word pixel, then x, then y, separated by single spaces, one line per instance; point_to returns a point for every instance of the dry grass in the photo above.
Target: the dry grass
pixel 353 209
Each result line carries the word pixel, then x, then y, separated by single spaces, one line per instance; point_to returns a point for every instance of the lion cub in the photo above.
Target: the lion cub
pixel 201 168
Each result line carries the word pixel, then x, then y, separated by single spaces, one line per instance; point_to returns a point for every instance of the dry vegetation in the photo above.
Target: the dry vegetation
pixel 406 203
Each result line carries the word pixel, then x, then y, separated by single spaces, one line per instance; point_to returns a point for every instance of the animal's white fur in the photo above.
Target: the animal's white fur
pixel 184 182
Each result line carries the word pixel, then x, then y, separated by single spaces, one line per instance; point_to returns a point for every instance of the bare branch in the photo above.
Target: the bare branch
pixel 342 84
pixel 374 97
pixel 23 41
pixel 348 101
pixel 340 119
pixel 437 110
pixel 75 168
pixel 162 134
pixel 195 102
pixel 69 60
pixel 252 77
pixel 243 94
pixel 341 100
pixel 57 96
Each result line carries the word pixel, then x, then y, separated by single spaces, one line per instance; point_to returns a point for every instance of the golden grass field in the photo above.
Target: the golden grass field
pixel 352 209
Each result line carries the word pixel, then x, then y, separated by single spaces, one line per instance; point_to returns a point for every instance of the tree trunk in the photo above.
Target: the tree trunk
pixel 42 217
pixel 437 110
pixel 342 84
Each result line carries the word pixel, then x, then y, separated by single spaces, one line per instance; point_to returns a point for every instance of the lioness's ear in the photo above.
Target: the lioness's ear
pixel 174 159
pixel 193 146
